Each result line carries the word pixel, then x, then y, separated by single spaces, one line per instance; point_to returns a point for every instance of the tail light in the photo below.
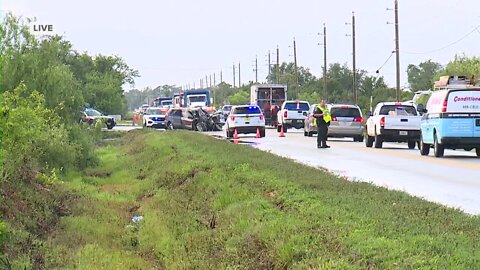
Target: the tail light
pixel 334 118
pixel 285 114
pixel 358 119
pixel 444 107
pixel 382 121
pixel 232 117
pixel 262 117
pixel 166 114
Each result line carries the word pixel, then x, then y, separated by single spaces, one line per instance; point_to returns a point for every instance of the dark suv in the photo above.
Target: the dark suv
pixel 180 118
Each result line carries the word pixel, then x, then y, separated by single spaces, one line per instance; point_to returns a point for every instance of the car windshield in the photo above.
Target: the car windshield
pixel 92 112
pixel 166 102
pixel 227 108
pixel 247 110
pixel 198 113
pixel 345 112
pixel 398 110
pixel 197 98
pixel 154 111
pixel 297 106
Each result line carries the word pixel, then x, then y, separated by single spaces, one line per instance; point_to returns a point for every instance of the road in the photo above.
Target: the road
pixel 453 180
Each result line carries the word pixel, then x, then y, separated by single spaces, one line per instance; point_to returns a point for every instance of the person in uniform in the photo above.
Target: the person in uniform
pixel 322 119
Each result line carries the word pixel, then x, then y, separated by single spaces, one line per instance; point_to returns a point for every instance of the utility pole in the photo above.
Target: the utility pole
pixel 397 50
pixel 269 64
pixel 256 68
pixel 214 86
pixel 233 75
pixel 239 76
pixel 221 76
pixel 295 63
pixel 355 98
pixel 325 92
pixel 278 65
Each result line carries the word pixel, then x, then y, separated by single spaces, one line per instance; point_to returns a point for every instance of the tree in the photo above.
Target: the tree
pixel 462 65
pixel 286 75
pixel 422 77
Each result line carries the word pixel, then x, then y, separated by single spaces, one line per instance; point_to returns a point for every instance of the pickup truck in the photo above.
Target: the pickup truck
pixel 393 122
pixel 292 114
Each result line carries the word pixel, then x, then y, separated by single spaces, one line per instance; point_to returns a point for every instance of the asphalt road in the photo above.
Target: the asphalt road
pixel 453 180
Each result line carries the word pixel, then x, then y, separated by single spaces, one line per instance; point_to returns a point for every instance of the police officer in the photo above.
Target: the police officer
pixel 322 118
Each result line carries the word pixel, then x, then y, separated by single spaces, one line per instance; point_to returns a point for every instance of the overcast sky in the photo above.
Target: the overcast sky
pixel 180 41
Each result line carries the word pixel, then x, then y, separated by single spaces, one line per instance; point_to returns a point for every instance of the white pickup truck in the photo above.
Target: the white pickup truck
pixel 292 114
pixel 393 122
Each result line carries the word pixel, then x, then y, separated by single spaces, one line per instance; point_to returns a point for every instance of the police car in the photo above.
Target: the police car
pixel 154 117
pixel 245 119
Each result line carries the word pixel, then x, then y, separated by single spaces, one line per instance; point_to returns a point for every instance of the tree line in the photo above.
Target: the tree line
pixel 44 86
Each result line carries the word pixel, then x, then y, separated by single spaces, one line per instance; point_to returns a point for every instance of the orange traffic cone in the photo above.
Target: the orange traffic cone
pixel 235 134
pixel 281 131
pixel 258 134
pixel 235 141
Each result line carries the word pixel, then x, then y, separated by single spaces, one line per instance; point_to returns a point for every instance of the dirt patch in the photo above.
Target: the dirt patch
pixel 99 174
pixel 255 253
pixel 115 188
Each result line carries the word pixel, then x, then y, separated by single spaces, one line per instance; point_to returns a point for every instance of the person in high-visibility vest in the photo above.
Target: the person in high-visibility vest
pixel 322 120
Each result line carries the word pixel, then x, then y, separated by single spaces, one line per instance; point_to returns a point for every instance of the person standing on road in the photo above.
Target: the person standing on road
pixel 322 119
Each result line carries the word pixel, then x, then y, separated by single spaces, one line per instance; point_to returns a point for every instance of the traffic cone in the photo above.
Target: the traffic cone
pixel 235 141
pixel 258 134
pixel 235 134
pixel 281 132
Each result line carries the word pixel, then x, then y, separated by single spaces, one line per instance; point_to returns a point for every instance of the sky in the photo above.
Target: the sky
pixel 179 42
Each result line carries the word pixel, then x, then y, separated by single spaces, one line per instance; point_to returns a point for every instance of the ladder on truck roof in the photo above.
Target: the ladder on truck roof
pixel 456 82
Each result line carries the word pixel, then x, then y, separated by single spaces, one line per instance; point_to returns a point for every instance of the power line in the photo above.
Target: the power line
pixel 449 45
pixel 391 54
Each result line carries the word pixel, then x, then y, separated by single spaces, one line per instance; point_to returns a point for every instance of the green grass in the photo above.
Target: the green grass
pixel 209 204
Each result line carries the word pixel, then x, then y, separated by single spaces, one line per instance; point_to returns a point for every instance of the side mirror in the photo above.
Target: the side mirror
pixel 421 108
pixel 369 113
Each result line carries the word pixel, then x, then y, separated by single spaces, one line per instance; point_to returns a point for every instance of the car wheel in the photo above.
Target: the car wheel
pixel 424 148
pixel 477 150
pixel 438 149
pixel 229 134
pixel 262 133
pixel 378 141
pixel 279 128
pixel 284 129
pixel 358 139
pixel 110 126
pixel 200 127
pixel 169 126
pixel 310 133
pixel 368 140
pixel 411 144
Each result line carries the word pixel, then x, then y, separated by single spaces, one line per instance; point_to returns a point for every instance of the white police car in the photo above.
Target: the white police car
pixel 154 117
pixel 245 119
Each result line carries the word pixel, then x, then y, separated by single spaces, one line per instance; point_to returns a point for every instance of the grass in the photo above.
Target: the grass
pixel 209 204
